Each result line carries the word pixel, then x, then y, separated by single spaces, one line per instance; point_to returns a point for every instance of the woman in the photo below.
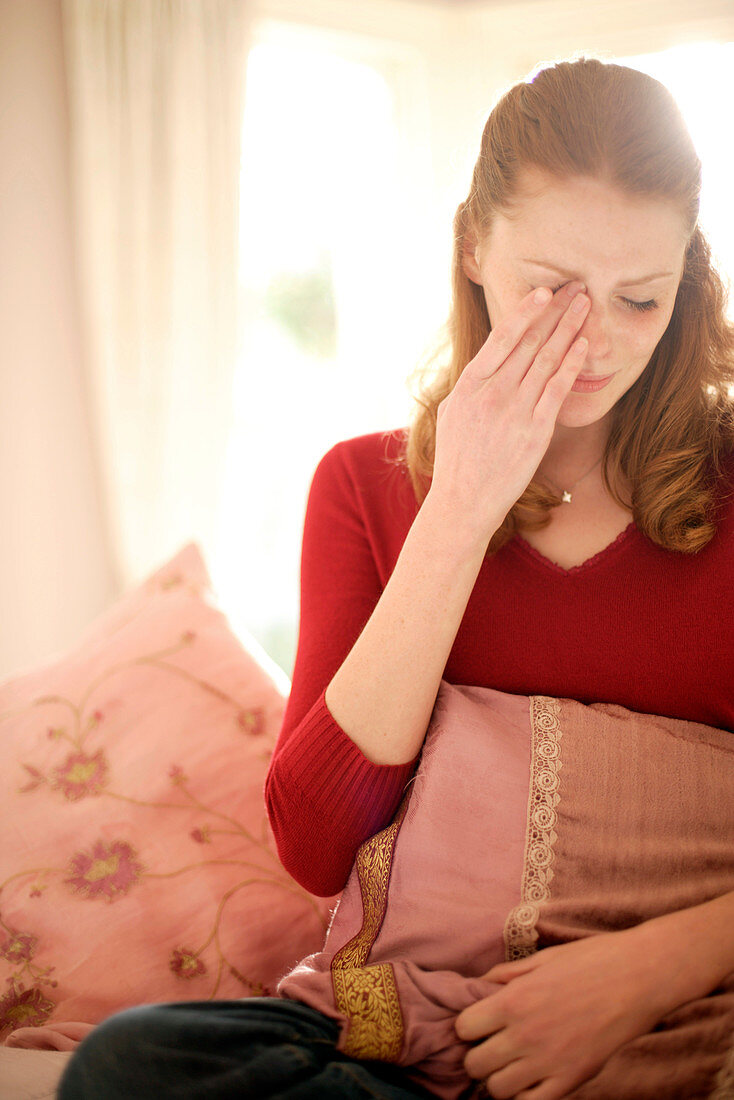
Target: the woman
pixel 555 521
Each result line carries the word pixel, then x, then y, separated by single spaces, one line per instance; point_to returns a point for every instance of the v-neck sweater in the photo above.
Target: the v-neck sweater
pixel 636 625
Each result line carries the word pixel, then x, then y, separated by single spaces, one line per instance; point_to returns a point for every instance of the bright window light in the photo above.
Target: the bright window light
pixel 327 343
pixel 699 75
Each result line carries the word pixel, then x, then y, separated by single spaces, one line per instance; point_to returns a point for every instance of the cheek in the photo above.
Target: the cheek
pixel 503 303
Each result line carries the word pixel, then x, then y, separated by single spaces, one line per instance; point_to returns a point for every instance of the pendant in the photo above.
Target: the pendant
pixel 566 498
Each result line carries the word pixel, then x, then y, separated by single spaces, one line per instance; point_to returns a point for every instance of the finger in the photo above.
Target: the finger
pixel 492 1056
pixel 478 1021
pixel 504 339
pixel 550 1089
pixel 558 387
pixel 535 340
pixel 505 972
pixel 507 1082
pixel 551 355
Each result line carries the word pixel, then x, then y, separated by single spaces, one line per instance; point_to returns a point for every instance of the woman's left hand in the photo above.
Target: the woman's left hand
pixel 561 1014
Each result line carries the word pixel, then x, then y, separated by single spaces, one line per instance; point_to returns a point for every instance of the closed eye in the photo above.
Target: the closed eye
pixel 641 307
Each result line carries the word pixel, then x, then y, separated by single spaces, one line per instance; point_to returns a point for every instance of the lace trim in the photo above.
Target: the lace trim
pixel 368 995
pixel 725 1079
pixel 519 933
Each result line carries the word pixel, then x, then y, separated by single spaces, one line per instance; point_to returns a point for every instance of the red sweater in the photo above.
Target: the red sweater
pixel 647 628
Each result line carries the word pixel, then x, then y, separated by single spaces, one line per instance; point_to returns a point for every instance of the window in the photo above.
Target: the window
pixel 336 298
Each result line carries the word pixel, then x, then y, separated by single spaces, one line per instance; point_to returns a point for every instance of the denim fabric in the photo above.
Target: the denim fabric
pixel 253 1049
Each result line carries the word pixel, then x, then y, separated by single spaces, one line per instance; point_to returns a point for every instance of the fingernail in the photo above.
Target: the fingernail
pixel 542 296
pixel 575 288
pixel 580 303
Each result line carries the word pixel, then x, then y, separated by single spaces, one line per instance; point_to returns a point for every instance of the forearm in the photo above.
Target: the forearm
pixel 693 948
pixel 384 692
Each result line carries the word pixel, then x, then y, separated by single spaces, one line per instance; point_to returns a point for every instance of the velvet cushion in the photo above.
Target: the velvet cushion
pixel 136 862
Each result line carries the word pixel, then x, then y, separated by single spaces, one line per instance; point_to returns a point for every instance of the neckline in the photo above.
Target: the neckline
pixel 521 544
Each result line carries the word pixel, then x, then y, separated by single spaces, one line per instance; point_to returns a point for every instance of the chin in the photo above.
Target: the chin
pixel 581 409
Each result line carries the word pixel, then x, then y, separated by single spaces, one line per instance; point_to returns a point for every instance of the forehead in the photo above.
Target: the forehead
pixel 587 220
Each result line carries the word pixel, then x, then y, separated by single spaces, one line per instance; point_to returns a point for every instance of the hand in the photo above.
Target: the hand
pixel 495 426
pixel 561 1014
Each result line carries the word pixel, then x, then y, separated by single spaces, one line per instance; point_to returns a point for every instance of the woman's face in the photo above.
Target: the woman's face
pixel 629 251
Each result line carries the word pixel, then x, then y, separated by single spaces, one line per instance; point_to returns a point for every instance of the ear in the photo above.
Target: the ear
pixel 470 257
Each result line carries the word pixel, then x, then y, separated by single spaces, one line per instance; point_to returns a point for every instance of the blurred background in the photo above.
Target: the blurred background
pixel 225 237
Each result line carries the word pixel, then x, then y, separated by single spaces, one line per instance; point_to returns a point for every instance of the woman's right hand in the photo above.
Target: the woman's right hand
pixel 496 424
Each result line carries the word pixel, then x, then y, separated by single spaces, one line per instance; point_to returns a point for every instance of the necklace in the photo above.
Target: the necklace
pixel 566 493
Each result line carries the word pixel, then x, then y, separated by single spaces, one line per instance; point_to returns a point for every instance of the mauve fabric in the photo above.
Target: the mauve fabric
pixel 534 821
pixel 456 873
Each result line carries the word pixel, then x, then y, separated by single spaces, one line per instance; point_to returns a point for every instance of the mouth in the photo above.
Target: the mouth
pixel 587 383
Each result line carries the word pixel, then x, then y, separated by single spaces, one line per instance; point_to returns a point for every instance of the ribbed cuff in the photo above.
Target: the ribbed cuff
pixel 324 798
pixel 325 765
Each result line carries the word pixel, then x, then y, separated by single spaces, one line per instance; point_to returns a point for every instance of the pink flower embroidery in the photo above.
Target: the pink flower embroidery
pixel 256 988
pixel 19 948
pixel 107 872
pixel 177 775
pixel 94 719
pixel 186 964
pixel 252 721
pixel 24 1008
pixel 202 835
pixel 80 775
pixel 37 778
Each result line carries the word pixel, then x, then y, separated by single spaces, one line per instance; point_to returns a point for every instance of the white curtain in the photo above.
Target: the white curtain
pixel 156 96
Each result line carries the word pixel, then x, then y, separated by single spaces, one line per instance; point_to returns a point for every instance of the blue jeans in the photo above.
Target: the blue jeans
pixel 252 1049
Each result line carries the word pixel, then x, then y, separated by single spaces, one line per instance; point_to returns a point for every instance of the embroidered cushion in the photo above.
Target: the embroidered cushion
pixel 530 822
pixel 136 862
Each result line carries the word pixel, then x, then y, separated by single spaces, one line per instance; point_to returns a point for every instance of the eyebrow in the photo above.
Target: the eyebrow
pixel 627 282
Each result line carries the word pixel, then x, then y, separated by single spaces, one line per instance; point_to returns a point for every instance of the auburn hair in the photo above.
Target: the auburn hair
pixel 671 432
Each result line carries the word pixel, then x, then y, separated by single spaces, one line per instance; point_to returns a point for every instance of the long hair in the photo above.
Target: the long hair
pixel 671 432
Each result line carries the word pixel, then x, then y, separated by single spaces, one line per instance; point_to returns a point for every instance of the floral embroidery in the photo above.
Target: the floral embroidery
pixel 252 721
pixel 107 872
pixel 81 775
pixel 186 964
pixel 22 1007
pixel 37 779
pixel 257 989
pixel 19 947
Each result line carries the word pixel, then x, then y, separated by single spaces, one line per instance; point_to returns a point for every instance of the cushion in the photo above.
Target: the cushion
pixel 137 863
pixel 531 821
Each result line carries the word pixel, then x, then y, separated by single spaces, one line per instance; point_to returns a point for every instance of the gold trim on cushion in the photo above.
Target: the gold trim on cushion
pixel 519 933
pixel 368 995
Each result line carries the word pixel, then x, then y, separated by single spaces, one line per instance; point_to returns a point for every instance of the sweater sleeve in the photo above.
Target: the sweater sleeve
pixel 323 796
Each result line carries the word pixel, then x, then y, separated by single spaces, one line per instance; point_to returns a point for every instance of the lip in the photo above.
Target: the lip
pixel 591 383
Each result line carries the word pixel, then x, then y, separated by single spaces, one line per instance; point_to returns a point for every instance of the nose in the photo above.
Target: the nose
pixel 596 330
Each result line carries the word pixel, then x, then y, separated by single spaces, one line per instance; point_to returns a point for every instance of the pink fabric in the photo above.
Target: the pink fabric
pixel 59 1037
pixel 136 863
pixel 531 821
pixel 456 874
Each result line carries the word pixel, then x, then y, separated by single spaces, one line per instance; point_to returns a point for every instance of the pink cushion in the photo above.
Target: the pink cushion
pixel 136 862
pixel 531 821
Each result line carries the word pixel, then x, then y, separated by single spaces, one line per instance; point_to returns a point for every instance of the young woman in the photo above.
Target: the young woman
pixel 557 520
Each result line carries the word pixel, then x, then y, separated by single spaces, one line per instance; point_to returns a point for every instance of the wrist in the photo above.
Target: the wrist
pixel 467 530
pixel 690 952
